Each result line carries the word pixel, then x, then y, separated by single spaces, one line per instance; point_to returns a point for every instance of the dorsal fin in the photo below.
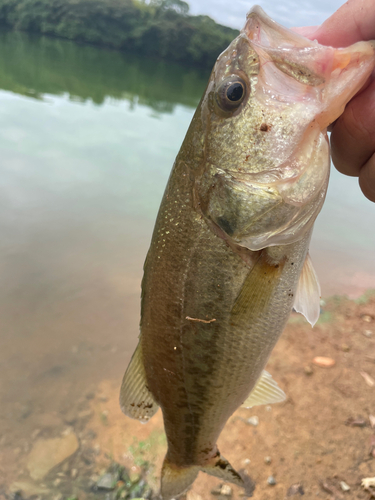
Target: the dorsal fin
pixel 136 400
pixel 265 392
pixel 307 301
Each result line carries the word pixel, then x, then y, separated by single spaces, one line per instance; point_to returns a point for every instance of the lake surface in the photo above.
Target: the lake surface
pixel 87 141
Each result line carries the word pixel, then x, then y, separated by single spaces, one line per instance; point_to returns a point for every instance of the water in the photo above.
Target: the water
pixel 87 140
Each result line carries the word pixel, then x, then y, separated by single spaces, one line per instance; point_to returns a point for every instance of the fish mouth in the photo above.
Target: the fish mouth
pixel 333 75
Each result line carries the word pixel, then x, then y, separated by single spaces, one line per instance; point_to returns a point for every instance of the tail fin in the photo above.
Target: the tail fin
pixel 176 480
pixel 222 469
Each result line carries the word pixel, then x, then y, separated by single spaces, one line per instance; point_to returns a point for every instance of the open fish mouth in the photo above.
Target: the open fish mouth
pixel 315 71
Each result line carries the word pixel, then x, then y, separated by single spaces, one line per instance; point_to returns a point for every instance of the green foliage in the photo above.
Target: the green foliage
pixel 161 28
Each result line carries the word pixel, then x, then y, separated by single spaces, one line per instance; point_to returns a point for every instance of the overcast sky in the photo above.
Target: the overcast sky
pixel 287 12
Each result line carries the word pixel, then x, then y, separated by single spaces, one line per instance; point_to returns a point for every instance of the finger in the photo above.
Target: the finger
pixel 367 179
pixel 352 22
pixel 353 134
pixel 306 31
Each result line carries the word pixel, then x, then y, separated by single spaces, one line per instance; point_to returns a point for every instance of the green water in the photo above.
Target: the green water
pixel 87 140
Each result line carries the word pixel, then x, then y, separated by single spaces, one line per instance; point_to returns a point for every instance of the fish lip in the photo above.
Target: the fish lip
pixel 256 15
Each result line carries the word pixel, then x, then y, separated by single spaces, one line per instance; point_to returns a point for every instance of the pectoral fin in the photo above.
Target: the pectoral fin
pixel 136 400
pixel 307 301
pixel 265 392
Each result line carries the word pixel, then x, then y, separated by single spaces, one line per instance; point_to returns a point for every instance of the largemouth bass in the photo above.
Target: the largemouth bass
pixel 229 254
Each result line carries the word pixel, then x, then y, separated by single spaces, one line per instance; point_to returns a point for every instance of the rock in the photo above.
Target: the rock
pixel 107 482
pixel 345 347
pixel 47 453
pixel 372 421
pixel 295 489
pixel 74 473
pixel 368 482
pixel 28 488
pixel 324 362
pixel 253 421
pixel 344 486
pixel 271 481
pixel 267 460
pixel 367 333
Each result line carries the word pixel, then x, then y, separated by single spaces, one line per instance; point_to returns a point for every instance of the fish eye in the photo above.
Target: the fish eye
pixel 231 93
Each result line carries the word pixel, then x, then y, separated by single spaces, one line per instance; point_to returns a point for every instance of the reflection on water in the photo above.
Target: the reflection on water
pixel 82 171
pixel 33 66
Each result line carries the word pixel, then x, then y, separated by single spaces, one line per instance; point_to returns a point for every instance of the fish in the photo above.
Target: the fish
pixel 229 257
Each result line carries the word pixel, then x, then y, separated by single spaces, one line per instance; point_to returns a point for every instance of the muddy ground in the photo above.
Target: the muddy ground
pixel 319 443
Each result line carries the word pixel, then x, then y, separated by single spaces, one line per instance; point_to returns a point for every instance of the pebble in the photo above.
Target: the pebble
pixel 367 333
pixel 324 362
pixel 368 482
pixel 345 347
pixel 372 421
pixel 267 460
pixel 106 482
pixel 344 486
pixel 308 370
pixel 74 473
pixel 295 489
pixel 271 481
pixel 253 421
pixel 226 490
pixel 247 461
pixel 367 318
pixel 223 490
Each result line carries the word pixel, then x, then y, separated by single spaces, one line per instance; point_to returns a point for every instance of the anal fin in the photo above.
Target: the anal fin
pixel 307 300
pixel 136 401
pixel 265 392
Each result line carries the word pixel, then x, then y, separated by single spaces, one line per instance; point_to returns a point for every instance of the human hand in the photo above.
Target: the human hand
pixel 353 133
